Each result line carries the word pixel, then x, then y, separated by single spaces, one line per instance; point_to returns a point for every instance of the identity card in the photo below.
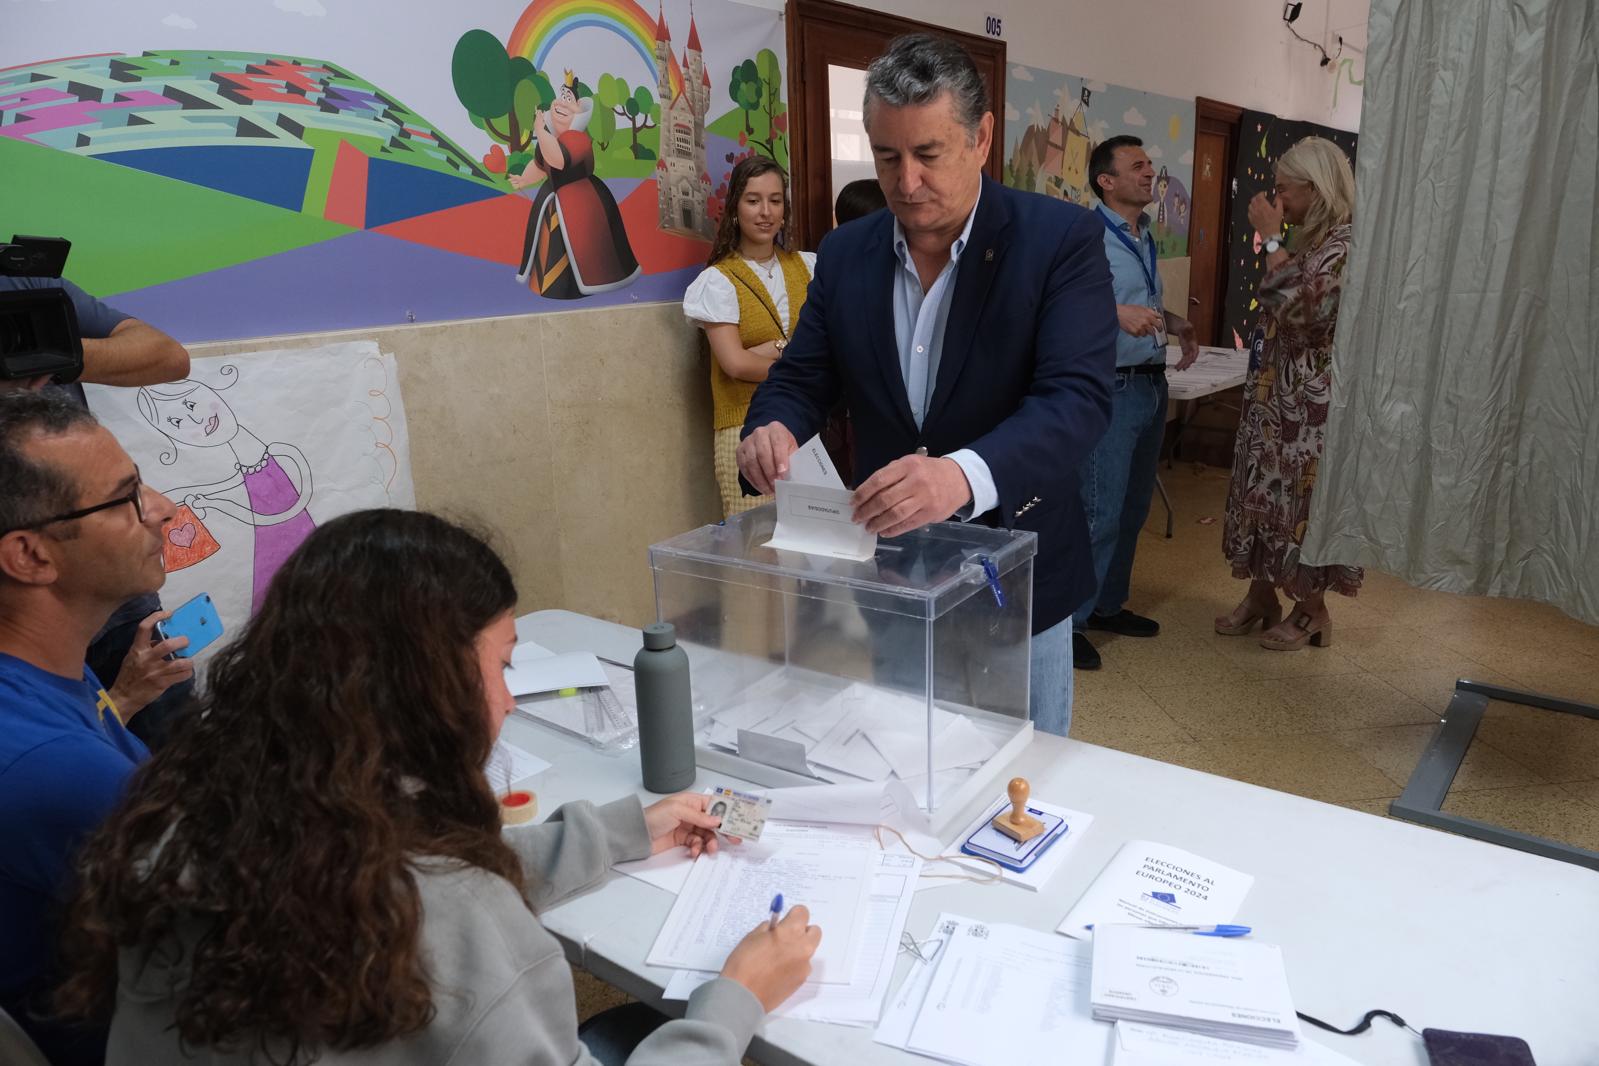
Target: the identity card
pixel 742 813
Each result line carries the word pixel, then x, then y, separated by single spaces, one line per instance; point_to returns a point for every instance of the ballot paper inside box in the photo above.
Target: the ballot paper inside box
pixel 912 664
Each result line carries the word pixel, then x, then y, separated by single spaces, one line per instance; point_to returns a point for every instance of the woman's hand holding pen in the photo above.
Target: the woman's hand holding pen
pixel 773 961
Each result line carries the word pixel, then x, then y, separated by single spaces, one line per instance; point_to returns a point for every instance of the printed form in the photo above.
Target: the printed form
pixel 861 1000
pixel 1002 994
pixel 727 894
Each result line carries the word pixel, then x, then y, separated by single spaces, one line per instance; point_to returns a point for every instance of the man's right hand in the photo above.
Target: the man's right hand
pixel 146 671
pixel 763 456
pixel 773 963
pixel 1138 321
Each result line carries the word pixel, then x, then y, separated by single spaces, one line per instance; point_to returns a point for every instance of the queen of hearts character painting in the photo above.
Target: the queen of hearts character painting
pixel 576 245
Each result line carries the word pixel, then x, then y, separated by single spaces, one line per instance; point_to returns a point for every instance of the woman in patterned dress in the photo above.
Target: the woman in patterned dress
pixel 1286 396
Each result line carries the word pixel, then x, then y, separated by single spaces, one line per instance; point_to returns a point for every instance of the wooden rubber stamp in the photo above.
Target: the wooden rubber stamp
pixel 518 808
pixel 1016 823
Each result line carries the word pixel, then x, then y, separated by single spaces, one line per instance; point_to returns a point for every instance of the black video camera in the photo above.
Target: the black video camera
pixel 38 326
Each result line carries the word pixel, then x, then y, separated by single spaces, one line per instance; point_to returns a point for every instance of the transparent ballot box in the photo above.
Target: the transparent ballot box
pixel 807 669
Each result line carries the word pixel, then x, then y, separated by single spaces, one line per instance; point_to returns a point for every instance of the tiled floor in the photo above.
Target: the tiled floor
pixel 1344 724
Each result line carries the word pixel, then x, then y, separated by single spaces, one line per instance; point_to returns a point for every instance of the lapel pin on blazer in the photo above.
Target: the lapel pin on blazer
pixel 988 255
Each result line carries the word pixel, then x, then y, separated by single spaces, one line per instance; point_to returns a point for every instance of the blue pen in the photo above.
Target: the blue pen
pixel 777 910
pixel 1198 930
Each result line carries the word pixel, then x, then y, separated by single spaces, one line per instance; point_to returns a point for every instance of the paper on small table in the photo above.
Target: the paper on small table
pixel 577 669
pixel 860 1000
pixel 509 764
pixel 1002 994
pixel 730 891
pixel 1156 884
pixel 1161 1045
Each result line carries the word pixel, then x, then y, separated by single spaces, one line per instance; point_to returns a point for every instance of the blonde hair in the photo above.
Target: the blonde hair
pixel 1323 166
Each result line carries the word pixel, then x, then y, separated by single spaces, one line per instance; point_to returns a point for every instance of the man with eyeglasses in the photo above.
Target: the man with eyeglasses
pixel 79 535
pixel 121 350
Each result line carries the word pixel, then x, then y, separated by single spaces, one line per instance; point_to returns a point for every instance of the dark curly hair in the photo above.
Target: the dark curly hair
pixel 343 737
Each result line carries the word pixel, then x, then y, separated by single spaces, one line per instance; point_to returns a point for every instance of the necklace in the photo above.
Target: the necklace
pixel 768 266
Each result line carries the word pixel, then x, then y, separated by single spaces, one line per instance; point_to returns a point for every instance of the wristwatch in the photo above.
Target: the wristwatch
pixel 780 344
pixel 1274 242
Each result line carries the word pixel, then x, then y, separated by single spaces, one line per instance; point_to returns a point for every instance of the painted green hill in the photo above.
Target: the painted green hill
pixel 130 229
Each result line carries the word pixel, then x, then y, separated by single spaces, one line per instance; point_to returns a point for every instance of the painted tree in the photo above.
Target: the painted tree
pixel 636 107
pixel 607 95
pixel 501 93
pixel 745 87
pixel 771 76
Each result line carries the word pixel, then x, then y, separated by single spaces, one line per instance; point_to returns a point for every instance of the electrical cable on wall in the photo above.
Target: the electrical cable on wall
pixel 1291 13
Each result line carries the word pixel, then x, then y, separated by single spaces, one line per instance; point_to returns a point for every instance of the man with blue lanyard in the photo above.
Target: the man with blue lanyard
pixel 1119 476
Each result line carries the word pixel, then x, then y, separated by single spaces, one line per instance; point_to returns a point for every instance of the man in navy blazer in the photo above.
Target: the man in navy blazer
pixel 971 330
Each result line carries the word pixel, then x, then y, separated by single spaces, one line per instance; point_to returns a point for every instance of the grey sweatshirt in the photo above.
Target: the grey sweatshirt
pixel 502 988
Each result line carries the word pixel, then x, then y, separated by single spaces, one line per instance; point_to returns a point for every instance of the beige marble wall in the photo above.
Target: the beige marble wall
pixel 576 439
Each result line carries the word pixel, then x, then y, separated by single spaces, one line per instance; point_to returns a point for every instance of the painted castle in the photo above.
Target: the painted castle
pixel 682 180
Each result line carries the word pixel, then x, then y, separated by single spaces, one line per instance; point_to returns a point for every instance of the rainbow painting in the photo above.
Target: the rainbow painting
pixel 545 22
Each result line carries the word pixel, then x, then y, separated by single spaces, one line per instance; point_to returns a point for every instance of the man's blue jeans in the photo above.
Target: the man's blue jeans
pixel 1117 482
pixel 1049 681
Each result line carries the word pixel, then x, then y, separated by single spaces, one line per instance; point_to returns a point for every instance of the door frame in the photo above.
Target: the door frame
pixel 810 158
pixel 1223 120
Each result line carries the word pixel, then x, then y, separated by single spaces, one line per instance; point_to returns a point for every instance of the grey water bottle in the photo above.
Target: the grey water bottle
pixel 665 714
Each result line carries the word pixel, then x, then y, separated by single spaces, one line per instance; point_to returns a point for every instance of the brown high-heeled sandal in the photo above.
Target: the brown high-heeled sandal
pixel 1267 619
pixel 1310 632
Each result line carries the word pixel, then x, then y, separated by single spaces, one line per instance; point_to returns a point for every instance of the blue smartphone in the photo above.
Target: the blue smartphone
pixel 198 620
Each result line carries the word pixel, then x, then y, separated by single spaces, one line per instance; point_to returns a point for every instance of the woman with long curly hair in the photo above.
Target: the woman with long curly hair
pixel 747 300
pixel 313 868
pixel 1286 395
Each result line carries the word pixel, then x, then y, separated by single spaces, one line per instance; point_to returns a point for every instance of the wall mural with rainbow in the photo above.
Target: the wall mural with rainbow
pixel 252 170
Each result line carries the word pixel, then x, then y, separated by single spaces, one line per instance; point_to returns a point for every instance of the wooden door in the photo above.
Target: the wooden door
pixel 1215 143
pixel 823 34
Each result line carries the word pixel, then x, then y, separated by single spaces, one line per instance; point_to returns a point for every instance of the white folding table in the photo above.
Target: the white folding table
pixel 1448 932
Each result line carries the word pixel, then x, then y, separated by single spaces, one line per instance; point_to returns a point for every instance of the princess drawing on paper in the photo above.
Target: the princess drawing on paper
pixel 274 503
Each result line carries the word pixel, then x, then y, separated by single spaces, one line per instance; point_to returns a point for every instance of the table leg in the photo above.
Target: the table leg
pixel 1161 488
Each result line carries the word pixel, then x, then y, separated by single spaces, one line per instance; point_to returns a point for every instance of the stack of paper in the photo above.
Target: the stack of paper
pixel 604 713
pixel 996 995
pixel 535 669
pixel 1155 884
pixel 1156 1045
pixel 1231 989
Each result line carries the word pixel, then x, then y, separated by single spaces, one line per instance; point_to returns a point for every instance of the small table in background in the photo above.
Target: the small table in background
pixel 1216 370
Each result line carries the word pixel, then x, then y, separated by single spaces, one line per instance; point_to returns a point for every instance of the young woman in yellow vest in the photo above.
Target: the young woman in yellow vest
pixel 747 300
